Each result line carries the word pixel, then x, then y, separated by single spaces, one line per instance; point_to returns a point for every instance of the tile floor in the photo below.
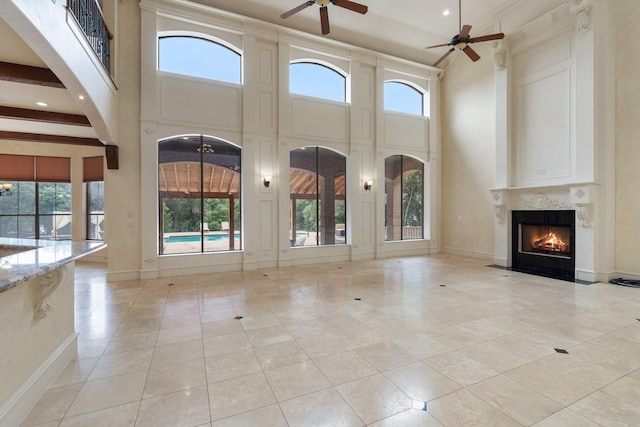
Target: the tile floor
pixel 422 341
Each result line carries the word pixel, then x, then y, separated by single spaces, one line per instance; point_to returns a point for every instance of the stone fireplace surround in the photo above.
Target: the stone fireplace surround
pixel 554 131
pixel 582 198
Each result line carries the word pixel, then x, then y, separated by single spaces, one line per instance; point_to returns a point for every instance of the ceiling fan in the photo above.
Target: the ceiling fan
pixel 324 12
pixel 462 41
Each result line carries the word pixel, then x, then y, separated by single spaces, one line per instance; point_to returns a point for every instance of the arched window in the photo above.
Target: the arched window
pixel 199 194
pixel 403 98
pixel 317 179
pixel 198 57
pixel 404 195
pixel 319 81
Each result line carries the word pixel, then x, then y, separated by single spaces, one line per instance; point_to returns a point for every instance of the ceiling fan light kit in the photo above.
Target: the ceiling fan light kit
pixel 324 11
pixel 463 40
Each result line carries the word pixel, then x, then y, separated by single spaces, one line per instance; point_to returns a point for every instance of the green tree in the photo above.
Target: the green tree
pixel 412 199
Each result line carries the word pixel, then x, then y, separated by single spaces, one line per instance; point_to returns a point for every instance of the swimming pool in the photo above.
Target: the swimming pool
pixel 196 238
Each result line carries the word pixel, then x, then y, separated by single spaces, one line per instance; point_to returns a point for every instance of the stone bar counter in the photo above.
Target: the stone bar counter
pixel 37 334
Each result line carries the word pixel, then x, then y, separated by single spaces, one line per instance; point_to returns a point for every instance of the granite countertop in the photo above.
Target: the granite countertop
pixel 37 257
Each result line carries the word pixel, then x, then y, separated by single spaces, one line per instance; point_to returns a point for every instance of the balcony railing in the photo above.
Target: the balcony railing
pixel 89 16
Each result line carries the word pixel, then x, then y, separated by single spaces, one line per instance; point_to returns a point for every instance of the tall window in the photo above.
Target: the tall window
pixel 39 206
pixel 199 57
pixel 403 98
pixel 404 194
pixel 318 197
pixel 199 195
pixel 319 81
pixel 94 181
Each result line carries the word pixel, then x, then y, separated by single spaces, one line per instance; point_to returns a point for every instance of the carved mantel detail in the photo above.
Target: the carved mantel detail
pixel 542 202
pixel 500 212
pixel 582 213
pixel 47 284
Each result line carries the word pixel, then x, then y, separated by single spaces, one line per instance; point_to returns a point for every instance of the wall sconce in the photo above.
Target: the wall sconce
pixel 5 189
pixel 267 180
pixel 368 185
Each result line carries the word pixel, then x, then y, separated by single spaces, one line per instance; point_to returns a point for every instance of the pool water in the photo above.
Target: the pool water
pixel 196 238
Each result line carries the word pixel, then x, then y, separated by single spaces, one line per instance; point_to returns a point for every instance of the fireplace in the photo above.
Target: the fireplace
pixel 544 243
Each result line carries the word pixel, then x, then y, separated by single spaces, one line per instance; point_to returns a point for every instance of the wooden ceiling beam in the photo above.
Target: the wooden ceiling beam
pixel 28 74
pixel 44 116
pixel 54 139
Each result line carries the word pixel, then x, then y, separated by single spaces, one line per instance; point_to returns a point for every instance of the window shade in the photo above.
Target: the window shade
pixel 17 168
pixel 53 169
pixel 92 169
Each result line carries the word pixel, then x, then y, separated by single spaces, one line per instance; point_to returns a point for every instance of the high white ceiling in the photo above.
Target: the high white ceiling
pixel 401 28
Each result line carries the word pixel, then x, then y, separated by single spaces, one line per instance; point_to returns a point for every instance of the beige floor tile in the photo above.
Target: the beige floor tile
pixel 606 358
pixel 175 377
pixel 566 418
pixel 494 357
pixel 319 409
pixel 295 380
pixel 550 383
pixel 463 408
pixel 231 365
pixel 121 363
pixel 121 416
pixel 515 400
pixel 91 348
pixel 132 342
pixel 76 371
pixel 238 395
pixel 345 367
pixel 421 346
pixel 180 320
pixel 178 352
pixel 107 392
pixel 323 345
pixel 223 327
pixel 374 398
pixel 386 356
pixel 421 382
pixel 52 406
pixel 627 389
pixel 179 334
pixel 183 408
pixel 460 368
pixel 282 354
pixel 269 416
pixel 452 337
pixel 585 372
pixel 266 320
pixel 607 410
pixel 408 418
pixel 360 336
pixel 225 344
pixel 139 326
pixel 268 336
pixel 305 329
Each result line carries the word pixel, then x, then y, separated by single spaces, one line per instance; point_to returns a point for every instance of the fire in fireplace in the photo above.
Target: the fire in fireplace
pixel 543 243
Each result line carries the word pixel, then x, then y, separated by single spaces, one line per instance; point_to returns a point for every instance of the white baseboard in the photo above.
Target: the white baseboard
pixel 23 400
pixel 117 276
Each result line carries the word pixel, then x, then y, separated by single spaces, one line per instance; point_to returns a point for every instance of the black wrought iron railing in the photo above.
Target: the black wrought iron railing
pixel 89 16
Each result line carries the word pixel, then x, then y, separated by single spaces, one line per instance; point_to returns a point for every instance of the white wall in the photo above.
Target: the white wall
pixel 468 154
pixel 267 122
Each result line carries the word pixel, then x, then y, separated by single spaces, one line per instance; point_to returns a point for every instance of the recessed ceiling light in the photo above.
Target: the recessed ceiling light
pixel 446 12
pixel 81 97
pixel 42 104
pixel 3 99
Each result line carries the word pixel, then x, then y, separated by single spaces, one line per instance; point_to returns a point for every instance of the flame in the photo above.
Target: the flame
pixel 550 242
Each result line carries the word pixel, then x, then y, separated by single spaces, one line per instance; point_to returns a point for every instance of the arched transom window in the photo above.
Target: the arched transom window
pixel 403 98
pixel 317 80
pixel 199 57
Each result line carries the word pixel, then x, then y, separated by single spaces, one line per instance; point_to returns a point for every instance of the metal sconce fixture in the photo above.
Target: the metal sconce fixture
pixel 5 189
pixel 267 181
pixel 368 185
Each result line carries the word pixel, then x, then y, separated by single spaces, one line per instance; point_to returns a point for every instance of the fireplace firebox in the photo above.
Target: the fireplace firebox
pixel 544 243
